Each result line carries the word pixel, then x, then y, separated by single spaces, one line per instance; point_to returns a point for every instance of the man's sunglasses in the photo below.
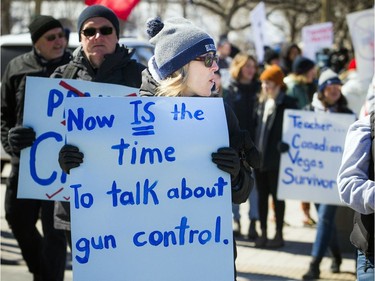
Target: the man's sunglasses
pixel 53 37
pixel 91 31
pixel 208 59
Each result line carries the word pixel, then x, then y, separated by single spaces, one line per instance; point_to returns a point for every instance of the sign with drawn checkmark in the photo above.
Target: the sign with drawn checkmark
pixel 40 175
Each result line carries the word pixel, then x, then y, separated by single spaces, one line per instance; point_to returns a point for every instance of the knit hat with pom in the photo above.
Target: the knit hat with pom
pixel 177 42
pixel 328 77
pixel 273 73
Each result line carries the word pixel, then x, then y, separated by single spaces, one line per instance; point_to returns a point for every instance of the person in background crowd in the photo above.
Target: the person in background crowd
pixel 241 96
pixel 338 60
pixel 269 113
pixel 356 186
pixel 44 254
pixel 218 90
pixel 354 88
pixel 271 57
pixel 224 49
pixel 328 99
pixel 234 50
pixel 289 51
pixel 300 83
pixel 99 59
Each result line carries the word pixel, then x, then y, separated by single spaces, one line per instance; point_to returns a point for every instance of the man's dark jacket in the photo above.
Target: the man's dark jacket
pixel 117 68
pixel 13 90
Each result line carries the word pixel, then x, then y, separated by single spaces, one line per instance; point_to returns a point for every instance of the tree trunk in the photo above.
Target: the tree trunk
pixel 5 17
pixel 38 7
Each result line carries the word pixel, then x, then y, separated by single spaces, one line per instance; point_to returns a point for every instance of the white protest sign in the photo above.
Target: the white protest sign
pixel 309 169
pixel 258 24
pixel 40 174
pixel 147 202
pixel 361 27
pixel 316 37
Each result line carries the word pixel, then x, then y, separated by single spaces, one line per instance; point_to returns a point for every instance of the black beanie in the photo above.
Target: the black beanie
pixel 302 65
pixel 97 11
pixel 270 55
pixel 41 24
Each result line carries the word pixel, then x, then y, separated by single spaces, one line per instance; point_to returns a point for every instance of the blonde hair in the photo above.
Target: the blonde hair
pixel 238 62
pixel 175 84
pixel 299 78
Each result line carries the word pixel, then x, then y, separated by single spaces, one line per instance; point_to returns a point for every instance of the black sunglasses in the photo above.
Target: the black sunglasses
pixel 91 31
pixel 208 59
pixel 53 37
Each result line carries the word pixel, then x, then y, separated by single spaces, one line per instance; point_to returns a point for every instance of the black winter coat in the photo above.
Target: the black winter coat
pixel 242 99
pixel 270 155
pixel 117 68
pixel 13 90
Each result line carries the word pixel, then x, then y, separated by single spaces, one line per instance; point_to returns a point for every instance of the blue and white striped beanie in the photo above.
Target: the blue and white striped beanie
pixel 328 77
pixel 177 41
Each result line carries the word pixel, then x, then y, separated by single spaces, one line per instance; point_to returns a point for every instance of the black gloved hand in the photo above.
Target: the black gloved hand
pixel 244 143
pixel 70 157
pixel 20 137
pixel 227 159
pixel 282 147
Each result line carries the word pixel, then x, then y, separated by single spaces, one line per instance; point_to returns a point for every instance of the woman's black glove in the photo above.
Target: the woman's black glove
pixel 20 137
pixel 282 147
pixel 70 157
pixel 227 159
pixel 245 144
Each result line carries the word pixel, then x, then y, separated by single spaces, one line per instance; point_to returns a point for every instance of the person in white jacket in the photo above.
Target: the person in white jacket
pixel 356 188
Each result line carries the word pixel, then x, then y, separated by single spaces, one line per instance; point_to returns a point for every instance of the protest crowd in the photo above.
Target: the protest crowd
pixel 260 95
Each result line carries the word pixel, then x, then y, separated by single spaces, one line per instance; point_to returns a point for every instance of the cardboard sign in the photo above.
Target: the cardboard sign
pixel 309 169
pixel 148 203
pixel 258 27
pixel 361 27
pixel 40 174
pixel 316 37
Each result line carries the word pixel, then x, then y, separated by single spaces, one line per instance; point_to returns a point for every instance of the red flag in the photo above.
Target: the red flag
pixel 122 8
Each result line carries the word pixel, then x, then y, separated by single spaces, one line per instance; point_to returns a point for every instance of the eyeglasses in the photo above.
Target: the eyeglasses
pixel 53 37
pixel 91 31
pixel 208 59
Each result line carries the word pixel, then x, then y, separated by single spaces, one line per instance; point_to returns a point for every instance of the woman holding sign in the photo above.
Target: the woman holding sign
pixel 184 65
pixel 328 99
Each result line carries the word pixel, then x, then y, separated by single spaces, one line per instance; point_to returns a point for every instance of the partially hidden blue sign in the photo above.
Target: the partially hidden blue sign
pixel 147 202
pixel 40 174
pixel 309 169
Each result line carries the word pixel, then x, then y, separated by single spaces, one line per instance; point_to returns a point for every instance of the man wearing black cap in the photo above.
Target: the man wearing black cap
pixel 100 59
pixel 45 255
